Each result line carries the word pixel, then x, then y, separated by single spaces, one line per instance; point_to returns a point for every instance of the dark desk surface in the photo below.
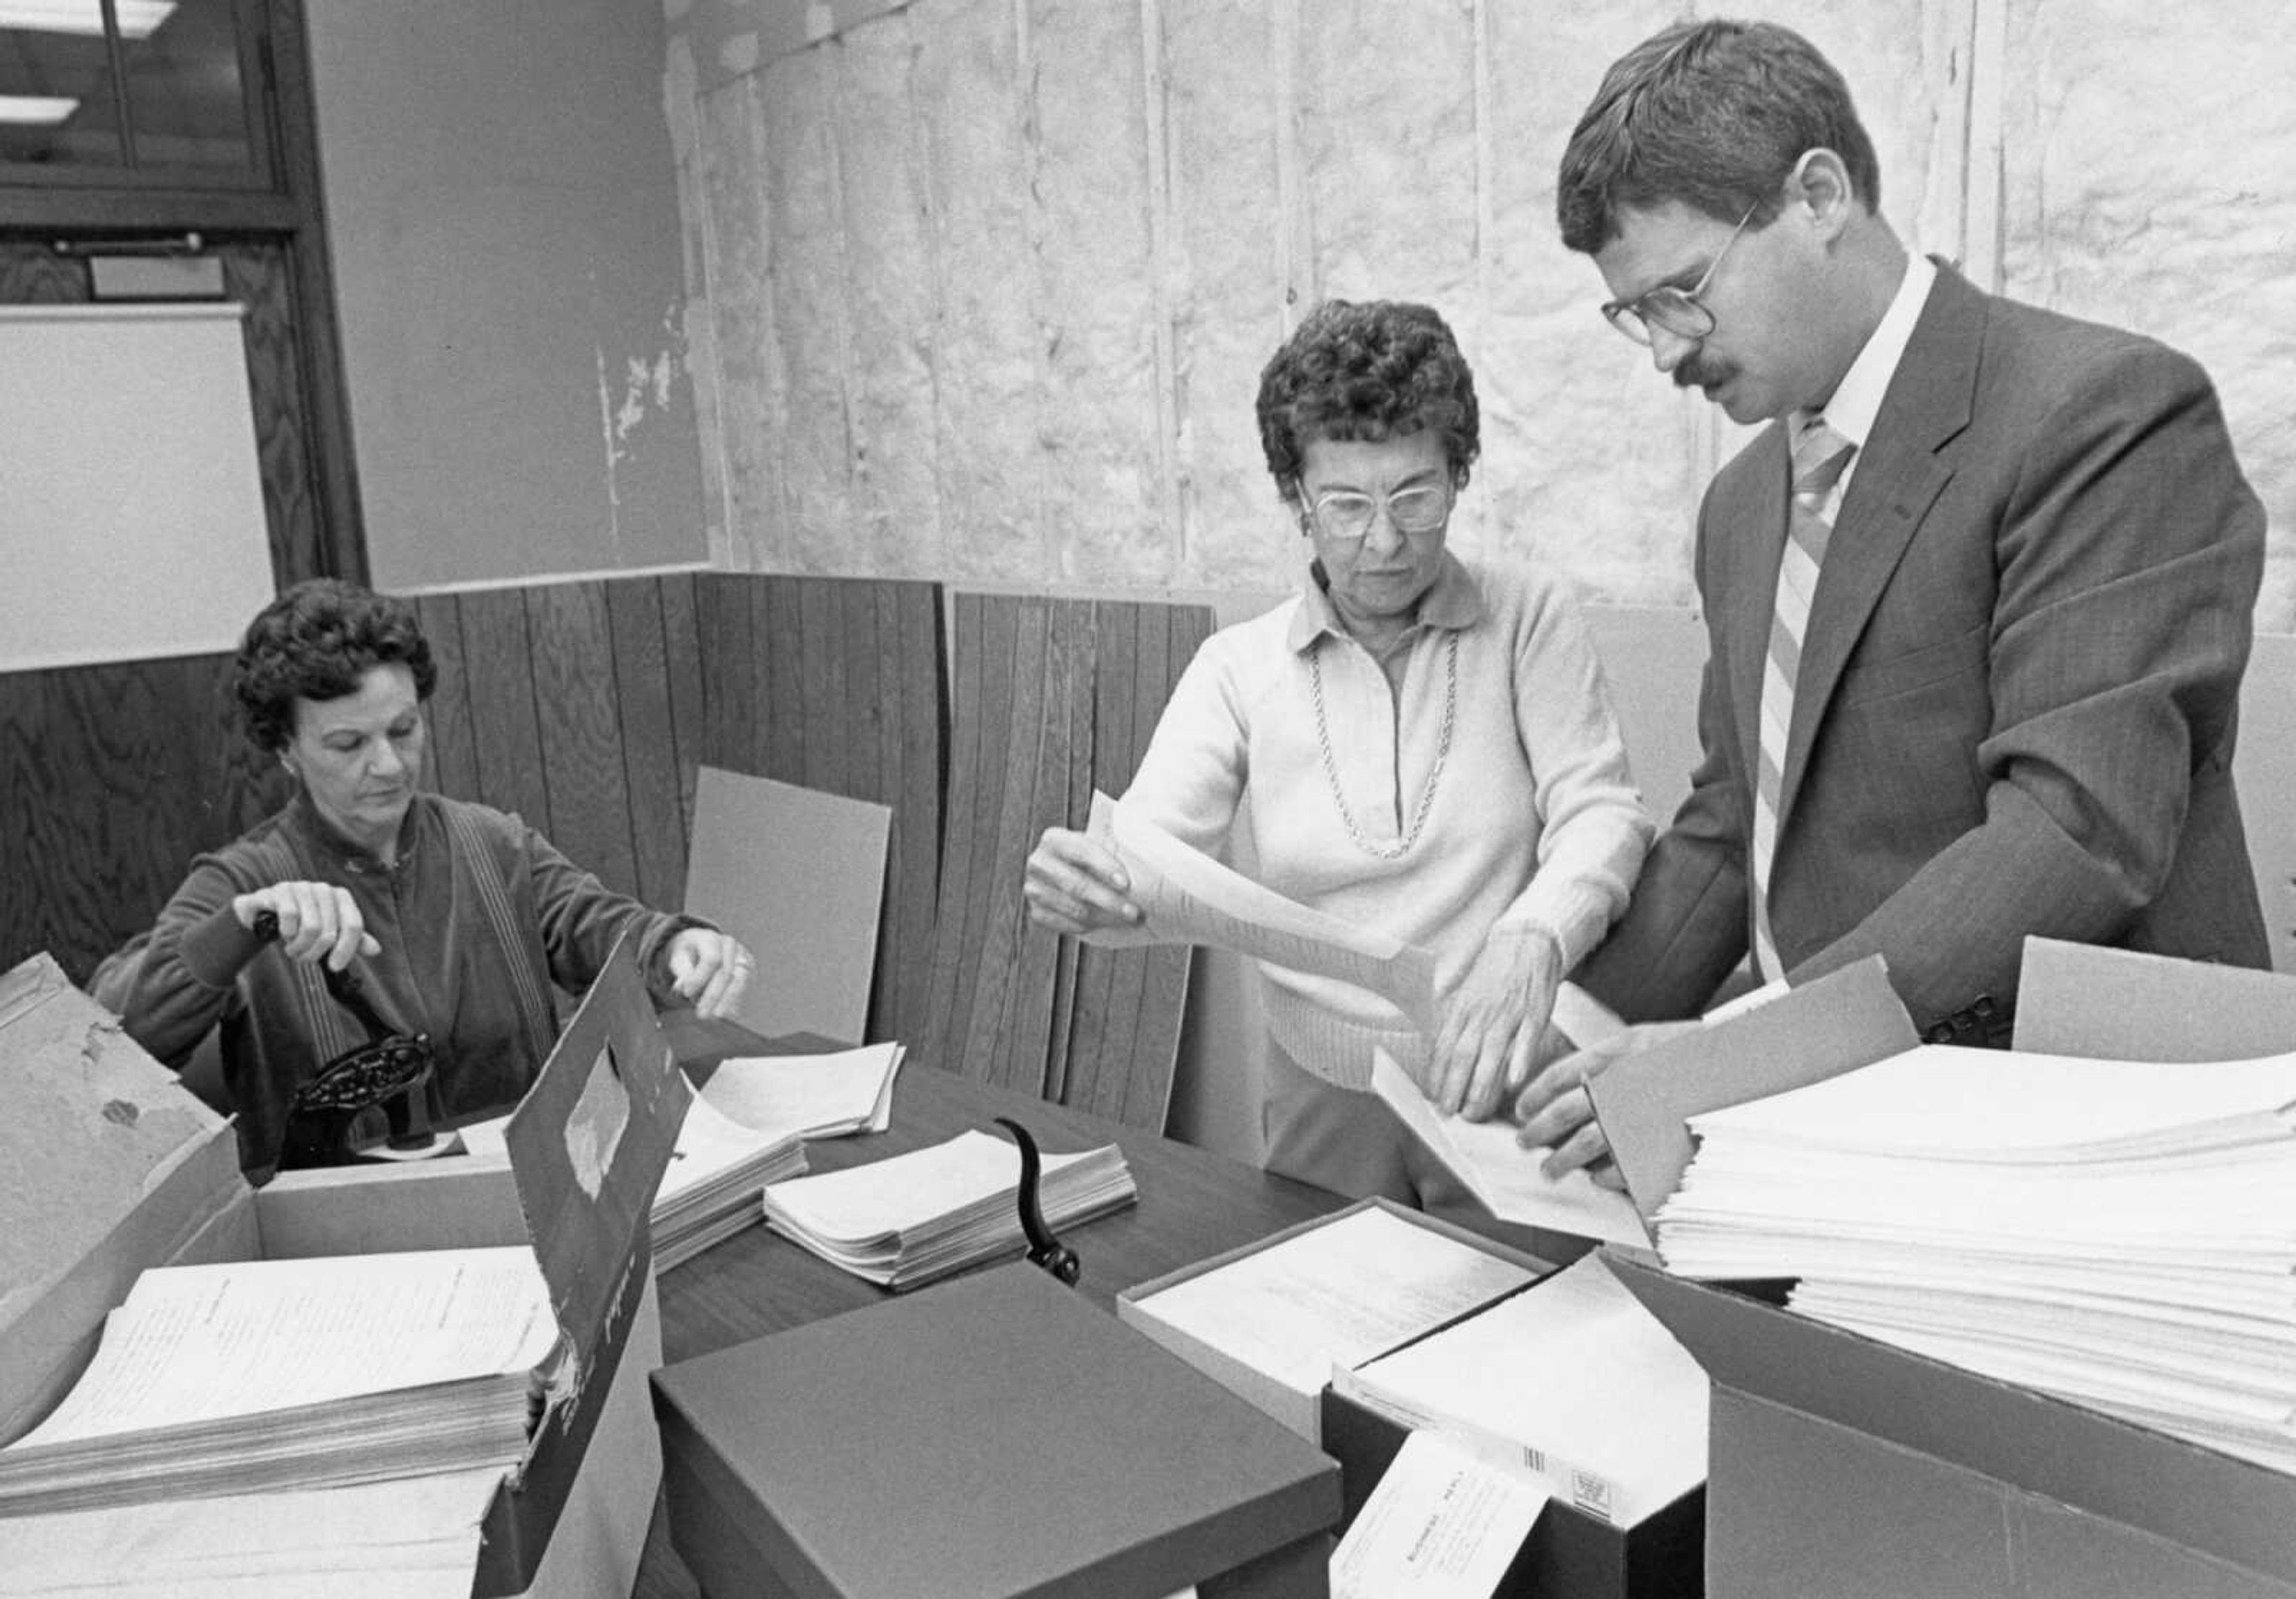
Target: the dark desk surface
pixel 1192 1203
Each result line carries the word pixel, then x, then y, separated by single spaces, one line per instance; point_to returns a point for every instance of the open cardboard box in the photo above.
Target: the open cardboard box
pixel 1298 1407
pixel 1573 1549
pixel 113 1167
pixel 1840 1464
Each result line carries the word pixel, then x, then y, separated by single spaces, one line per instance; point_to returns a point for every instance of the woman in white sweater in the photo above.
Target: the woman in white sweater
pixel 1428 745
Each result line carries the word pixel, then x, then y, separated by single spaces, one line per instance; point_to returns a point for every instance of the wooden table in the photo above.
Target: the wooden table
pixel 1192 1203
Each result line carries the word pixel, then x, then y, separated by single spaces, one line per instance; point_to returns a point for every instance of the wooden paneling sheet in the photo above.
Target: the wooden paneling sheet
pixel 838 684
pixel 1052 698
pixel 578 706
pixel 111 779
pixel 1125 1037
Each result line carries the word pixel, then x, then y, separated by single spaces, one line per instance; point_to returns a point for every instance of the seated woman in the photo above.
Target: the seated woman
pixel 1429 750
pixel 460 918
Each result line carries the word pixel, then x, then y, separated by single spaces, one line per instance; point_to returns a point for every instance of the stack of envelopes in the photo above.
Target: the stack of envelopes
pixel 910 1218
pixel 2121 1233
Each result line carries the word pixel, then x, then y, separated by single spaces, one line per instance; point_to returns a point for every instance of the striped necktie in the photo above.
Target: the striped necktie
pixel 1820 457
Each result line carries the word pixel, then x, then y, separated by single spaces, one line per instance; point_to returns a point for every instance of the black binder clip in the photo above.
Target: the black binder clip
pixel 1043 1249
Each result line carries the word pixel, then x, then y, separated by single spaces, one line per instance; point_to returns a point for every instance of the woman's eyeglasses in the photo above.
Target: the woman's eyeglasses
pixel 1346 515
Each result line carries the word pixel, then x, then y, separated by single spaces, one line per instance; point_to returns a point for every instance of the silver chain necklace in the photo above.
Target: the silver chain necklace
pixel 1396 851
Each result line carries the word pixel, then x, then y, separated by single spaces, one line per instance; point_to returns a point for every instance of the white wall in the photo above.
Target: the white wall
pixel 501 211
pixel 989 282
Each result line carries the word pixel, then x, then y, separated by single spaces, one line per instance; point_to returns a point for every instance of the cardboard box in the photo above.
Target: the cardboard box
pixel 1571 1551
pixel 989 1436
pixel 1843 1466
pixel 114 1166
pixel 1298 1407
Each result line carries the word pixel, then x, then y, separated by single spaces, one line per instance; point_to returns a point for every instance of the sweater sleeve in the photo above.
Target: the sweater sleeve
pixel 173 984
pixel 1192 778
pixel 582 918
pixel 1593 828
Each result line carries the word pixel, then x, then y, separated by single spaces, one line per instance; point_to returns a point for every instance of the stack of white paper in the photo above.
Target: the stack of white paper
pixel 812 1096
pixel 304 1374
pixel 2118 1233
pixel 413 1538
pixel 711 1189
pixel 1271 1323
pixel 909 1218
pixel 714 1184
pixel 1572 1380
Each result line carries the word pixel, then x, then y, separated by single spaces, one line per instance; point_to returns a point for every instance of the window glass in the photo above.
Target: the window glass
pixel 183 93
pixel 56 100
pixel 187 102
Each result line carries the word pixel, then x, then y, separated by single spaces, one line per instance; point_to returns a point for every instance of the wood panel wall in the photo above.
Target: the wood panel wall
pixel 556 701
pixel 838 683
pixel 111 779
pixel 1051 699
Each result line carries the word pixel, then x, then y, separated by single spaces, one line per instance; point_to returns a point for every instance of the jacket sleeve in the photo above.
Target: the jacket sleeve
pixel 1685 928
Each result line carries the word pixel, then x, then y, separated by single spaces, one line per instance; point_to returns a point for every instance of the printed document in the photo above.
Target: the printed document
pixel 1441 1524
pixel 1188 898
pixel 1506 1177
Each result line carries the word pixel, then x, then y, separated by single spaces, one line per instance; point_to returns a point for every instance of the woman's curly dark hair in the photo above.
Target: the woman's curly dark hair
pixel 1366 372
pixel 314 641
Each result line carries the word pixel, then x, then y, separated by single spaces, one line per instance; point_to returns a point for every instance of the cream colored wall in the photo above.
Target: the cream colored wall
pixel 979 290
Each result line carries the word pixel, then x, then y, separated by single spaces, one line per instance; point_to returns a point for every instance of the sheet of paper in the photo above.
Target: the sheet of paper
pixel 415 1538
pixel 1572 1379
pixel 197 1342
pixel 849 1090
pixel 709 1145
pixel 2035 1106
pixel 1506 1177
pixel 1441 1524
pixel 1188 898
pixel 1344 1292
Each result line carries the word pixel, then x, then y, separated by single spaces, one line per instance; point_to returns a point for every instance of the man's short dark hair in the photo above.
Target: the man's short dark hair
pixel 1713 114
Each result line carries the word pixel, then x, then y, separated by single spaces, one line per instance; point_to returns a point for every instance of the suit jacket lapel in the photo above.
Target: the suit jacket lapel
pixel 1893 485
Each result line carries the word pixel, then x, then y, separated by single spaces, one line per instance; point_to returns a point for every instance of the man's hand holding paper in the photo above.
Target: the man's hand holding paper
pixel 1556 1116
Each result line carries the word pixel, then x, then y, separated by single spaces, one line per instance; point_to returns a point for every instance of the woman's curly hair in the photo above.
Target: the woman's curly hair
pixel 314 641
pixel 1366 372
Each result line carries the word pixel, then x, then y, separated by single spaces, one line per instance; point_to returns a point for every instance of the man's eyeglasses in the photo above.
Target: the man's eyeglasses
pixel 1680 311
pixel 1348 516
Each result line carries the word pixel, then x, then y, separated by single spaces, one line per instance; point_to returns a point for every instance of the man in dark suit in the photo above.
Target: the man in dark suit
pixel 1977 601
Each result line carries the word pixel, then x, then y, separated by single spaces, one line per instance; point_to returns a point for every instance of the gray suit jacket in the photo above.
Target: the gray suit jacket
pixel 2015 709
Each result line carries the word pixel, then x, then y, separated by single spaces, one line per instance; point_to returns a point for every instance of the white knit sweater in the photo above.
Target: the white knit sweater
pixel 1535 821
